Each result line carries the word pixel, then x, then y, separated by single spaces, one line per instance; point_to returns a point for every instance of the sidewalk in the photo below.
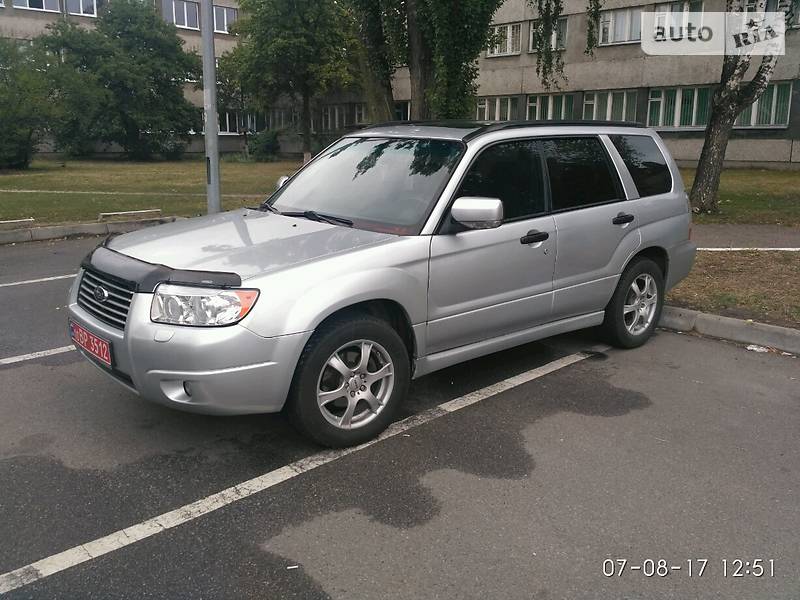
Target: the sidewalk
pixel 745 236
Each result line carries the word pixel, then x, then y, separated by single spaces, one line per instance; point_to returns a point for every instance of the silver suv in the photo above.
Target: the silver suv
pixel 399 250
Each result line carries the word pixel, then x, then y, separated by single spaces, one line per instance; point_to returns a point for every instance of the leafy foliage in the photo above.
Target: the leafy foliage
pixel 122 83
pixel 296 48
pixel 25 105
pixel 264 146
pixel 457 31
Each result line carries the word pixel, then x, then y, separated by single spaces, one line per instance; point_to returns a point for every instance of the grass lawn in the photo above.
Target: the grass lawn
pixel 763 286
pixel 76 191
pixel 756 196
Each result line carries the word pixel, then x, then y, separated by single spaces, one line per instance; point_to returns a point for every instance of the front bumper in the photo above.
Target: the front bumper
pixel 225 370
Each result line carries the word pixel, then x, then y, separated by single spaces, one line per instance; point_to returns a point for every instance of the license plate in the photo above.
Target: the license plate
pixel 97 347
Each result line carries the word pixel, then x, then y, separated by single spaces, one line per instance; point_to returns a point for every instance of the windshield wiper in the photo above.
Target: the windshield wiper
pixel 313 215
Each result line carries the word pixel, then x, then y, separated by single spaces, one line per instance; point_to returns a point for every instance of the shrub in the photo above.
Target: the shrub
pixel 264 146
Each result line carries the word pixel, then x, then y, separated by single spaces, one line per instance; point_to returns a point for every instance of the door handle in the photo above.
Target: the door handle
pixel 622 219
pixel 534 236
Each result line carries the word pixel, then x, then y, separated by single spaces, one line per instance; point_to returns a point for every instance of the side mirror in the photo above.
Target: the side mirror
pixel 478 213
pixel 281 182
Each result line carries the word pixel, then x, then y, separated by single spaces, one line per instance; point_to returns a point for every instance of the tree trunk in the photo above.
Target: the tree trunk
pixel 306 126
pixel 709 169
pixel 378 91
pixel 420 64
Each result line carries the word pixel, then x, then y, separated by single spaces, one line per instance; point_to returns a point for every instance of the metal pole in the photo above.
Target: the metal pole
pixel 210 106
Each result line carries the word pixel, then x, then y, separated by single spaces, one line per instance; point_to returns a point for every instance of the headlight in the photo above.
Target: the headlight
pixel 200 307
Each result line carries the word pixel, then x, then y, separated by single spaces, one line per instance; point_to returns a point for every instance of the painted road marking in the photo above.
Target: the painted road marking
pixel 749 249
pixel 124 537
pixel 23 357
pixel 41 280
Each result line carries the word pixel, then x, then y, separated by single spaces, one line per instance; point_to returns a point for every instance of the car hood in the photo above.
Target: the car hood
pixel 246 242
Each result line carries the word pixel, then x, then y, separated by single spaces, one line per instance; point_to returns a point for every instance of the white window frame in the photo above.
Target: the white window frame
pixel 360 113
pixel 664 10
pixel 536 100
pixel 230 116
pixel 553 36
pixel 609 18
pixel 507 40
pixel 406 108
pixel 186 3
pixel 333 117
pixel 590 99
pixel 498 102
pixel 676 116
pixel 47 10
pixel 78 14
pixel 773 110
pixel 225 10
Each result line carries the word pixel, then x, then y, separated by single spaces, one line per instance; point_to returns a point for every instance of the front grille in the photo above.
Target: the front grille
pixel 114 310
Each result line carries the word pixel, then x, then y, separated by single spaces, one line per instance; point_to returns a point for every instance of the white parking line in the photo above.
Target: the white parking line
pixel 23 357
pixel 42 280
pixel 749 249
pixel 124 537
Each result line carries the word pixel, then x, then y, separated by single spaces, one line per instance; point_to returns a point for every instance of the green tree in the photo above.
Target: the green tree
pixel 123 83
pixel 233 94
pixel 439 40
pixel 298 48
pixel 24 103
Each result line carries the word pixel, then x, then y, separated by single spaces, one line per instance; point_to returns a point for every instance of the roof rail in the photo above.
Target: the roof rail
pixel 519 124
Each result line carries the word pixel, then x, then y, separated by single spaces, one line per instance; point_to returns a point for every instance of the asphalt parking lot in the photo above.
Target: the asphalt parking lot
pixel 684 451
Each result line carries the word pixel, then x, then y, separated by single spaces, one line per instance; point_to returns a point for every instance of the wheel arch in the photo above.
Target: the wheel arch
pixel 657 254
pixel 386 309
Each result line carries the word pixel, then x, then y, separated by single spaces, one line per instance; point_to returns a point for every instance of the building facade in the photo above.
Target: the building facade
pixel 620 82
pixel 617 82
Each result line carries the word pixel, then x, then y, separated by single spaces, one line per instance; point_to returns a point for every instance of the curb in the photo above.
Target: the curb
pixel 53 232
pixel 737 330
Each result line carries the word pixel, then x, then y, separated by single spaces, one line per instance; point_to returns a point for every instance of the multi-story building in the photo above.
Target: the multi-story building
pixel 27 19
pixel 618 82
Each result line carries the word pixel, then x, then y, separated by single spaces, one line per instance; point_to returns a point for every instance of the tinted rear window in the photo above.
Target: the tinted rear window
pixel 645 162
pixel 580 173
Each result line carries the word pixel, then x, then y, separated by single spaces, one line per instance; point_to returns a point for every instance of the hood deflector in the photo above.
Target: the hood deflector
pixel 143 277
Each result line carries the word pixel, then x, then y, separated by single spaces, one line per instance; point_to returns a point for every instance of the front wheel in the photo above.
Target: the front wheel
pixel 635 308
pixel 350 380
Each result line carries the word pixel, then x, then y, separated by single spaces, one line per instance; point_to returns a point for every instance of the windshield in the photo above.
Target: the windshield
pixel 382 184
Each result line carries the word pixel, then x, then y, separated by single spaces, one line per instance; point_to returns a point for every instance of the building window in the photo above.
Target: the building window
pixel 558 39
pixel 610 106
pixel 224 17
pixel 620 26
pixel 508 40
pixel 228 123
pixel 45 5
pixel 333 117
pixel 550 107
pixel 402 110
pixel 770 110
pixel 360 113
pixel 674 17
pixel 496 109
pixel 185 14
pixel 679 107
pixel 86 8
pixel 278 118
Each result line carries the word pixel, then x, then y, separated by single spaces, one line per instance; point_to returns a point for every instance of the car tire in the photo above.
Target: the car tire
pixel 635 308
pixel 349 401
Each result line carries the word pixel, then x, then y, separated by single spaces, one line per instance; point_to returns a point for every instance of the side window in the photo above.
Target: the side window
pixel 580 172
pixel 645 163
pixel 511 171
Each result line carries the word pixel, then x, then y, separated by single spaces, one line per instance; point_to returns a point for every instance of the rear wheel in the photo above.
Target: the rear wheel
pixel 350 380
pixel 635 308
